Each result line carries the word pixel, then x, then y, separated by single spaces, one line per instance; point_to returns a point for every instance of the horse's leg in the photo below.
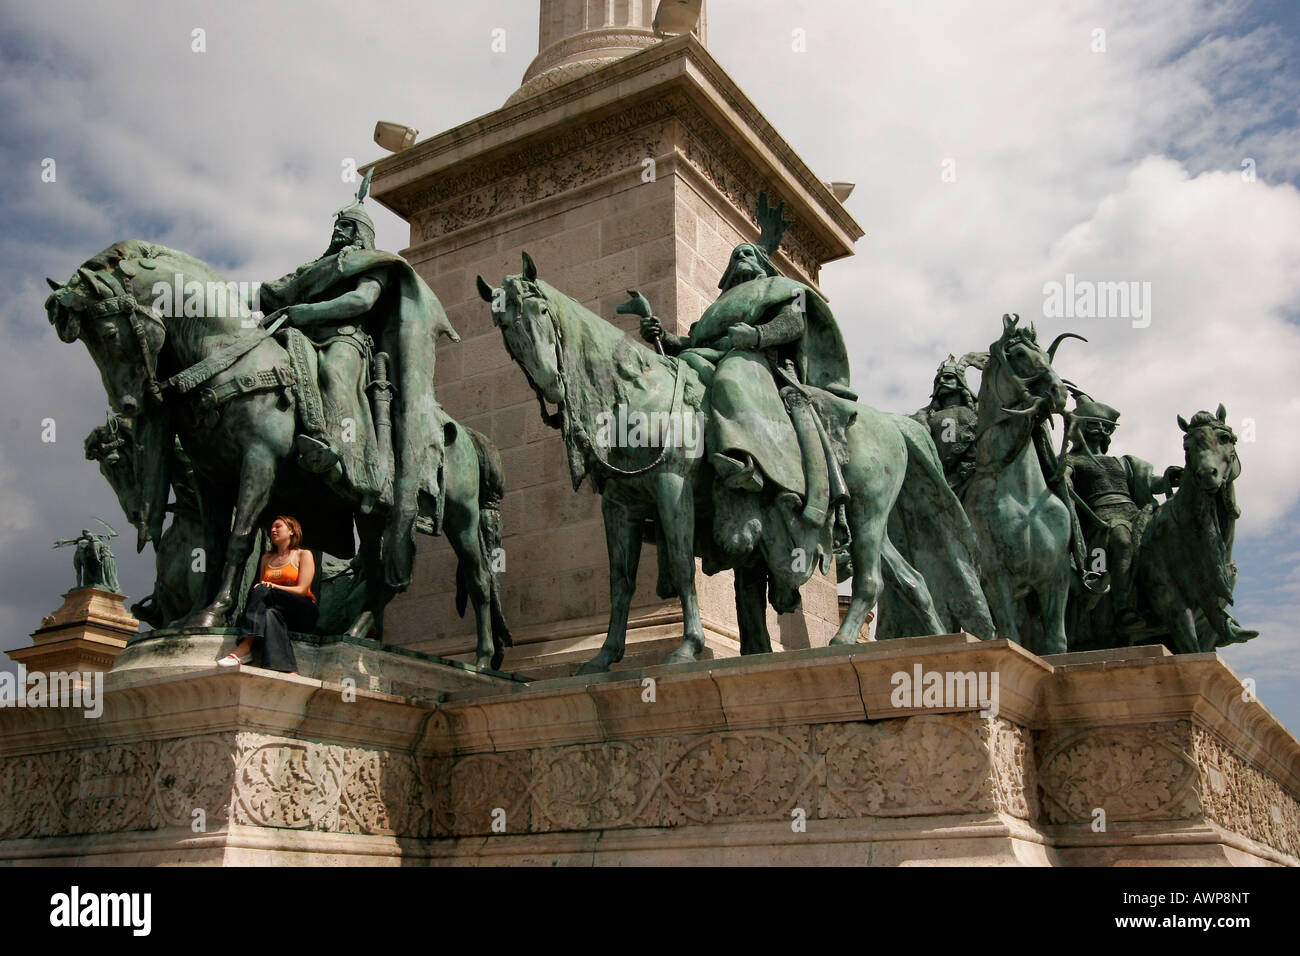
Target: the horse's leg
pixel 461 525
pixel 256 475
pixel 214 517
pixel 1182 626
pixel 623 542
pixel 1052 599
pixel 751 610
pixel 370 529
pixel 996 581
pixel 911 587
pixel 676 501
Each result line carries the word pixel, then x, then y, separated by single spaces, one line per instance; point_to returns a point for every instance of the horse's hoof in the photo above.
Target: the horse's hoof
pixel 483 661
pixel 683 655
pixel 839 639
pixel 498 658
pixel 203 619
pixel 361 626
pixel 597 665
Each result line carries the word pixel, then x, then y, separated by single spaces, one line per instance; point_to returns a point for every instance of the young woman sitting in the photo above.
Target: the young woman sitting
pixel 279 602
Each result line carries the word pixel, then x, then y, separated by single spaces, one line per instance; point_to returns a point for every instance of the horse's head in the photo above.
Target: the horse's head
pixel 113 445
pixel 1020 370
pixel 123 339
pixel 1209 451
pixel 521 309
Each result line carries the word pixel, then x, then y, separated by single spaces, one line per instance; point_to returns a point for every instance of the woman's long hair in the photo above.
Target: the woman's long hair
pixel 295 532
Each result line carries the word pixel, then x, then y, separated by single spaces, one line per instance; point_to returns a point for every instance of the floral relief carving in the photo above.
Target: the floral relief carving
pixel 926 764
pixel 1132 773
pixel 1244 800
pixel 308 785
pixel 1014 783
pixel 37 791
pixel 735 776
pixel 574 788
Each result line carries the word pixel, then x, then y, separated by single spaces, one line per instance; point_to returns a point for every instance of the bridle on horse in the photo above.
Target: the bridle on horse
pixel 195 375
pixel 531 291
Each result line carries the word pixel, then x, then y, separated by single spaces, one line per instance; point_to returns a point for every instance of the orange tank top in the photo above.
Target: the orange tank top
pixel 286 574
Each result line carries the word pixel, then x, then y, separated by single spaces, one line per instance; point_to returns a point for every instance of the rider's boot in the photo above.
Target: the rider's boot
pixel 736 521
pixel 316 454
pixel 737 474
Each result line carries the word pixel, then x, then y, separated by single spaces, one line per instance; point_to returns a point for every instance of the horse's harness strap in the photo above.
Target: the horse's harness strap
pixel 679 388
pixel 217 395
pixel 219 361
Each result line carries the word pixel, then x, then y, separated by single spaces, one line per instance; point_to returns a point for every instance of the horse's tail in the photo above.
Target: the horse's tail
pixel 940 542
pixel 491 489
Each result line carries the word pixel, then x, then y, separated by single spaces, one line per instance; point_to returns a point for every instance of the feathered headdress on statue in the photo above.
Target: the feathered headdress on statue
pixel 355 212
pixel 772 225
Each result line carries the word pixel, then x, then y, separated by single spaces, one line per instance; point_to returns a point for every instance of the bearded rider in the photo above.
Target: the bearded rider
pixel 351 303
pixel 1113 492
pixel 757 347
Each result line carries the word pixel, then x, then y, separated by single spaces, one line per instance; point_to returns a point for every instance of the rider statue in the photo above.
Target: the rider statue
pixel 757 348
pixel 951 418
pixel 372 324
pixel 93 560
pixel 1112 494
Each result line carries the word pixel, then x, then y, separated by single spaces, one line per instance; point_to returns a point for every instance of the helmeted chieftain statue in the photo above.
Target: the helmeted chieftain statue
pixel 757 346
pixel 1111 494
pixel 366 314
pixel 951 418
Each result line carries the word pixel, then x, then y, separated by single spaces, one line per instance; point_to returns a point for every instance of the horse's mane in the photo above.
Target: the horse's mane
pixel 601 366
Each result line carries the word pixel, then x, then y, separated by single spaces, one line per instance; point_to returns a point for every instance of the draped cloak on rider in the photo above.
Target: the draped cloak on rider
pixel 746 411
pixel 405 323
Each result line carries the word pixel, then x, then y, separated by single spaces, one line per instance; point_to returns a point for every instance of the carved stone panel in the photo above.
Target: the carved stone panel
pixel 1132 773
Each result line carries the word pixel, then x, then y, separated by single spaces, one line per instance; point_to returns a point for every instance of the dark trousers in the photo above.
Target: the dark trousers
pixel 269 615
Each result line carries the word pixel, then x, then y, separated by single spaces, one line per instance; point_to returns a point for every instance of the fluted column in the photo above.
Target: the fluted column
pixel 578 36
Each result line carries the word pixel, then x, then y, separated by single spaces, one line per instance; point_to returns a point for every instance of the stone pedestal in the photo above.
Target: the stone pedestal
pixel 808 757
pixel 84 635
pixel 641 173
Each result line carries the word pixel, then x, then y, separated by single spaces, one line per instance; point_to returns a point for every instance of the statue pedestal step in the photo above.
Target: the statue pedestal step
pixel 870 753
pixel 370 666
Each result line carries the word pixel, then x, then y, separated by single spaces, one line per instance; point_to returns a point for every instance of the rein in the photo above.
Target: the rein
pixel 193 376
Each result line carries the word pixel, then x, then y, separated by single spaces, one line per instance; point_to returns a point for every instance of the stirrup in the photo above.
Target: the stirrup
pixel 315 455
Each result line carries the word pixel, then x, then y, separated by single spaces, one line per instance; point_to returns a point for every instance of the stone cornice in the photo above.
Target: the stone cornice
pixel 542 122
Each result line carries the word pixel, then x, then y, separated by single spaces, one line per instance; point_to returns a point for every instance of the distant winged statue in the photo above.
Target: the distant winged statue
pixel 93 559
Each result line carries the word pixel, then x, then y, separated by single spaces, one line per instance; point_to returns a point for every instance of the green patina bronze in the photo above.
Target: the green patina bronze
pixel 1168 566
pixel 792 471
pixel 92 559
pixel 262 436
pixel 951 419
pixel 1023 523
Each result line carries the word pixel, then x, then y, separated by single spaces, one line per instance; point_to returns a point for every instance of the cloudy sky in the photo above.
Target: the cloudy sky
pixel 996 147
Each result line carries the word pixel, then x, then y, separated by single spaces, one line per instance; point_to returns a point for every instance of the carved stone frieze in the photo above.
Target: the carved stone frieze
pixel 587 153
pixel 1240 798
pixel 142 785
pixel 300 784
pixel 1132 773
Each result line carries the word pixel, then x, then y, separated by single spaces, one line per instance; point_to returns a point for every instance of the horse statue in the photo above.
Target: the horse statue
pixel 588 368
pixel 238 430
pixel 1184 566
pixel 1023 527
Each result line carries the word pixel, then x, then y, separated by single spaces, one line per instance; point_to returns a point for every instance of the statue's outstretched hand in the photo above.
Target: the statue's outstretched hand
pixel 1174 476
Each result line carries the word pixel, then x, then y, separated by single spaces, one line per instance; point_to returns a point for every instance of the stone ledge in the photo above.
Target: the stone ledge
pixel 714 771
